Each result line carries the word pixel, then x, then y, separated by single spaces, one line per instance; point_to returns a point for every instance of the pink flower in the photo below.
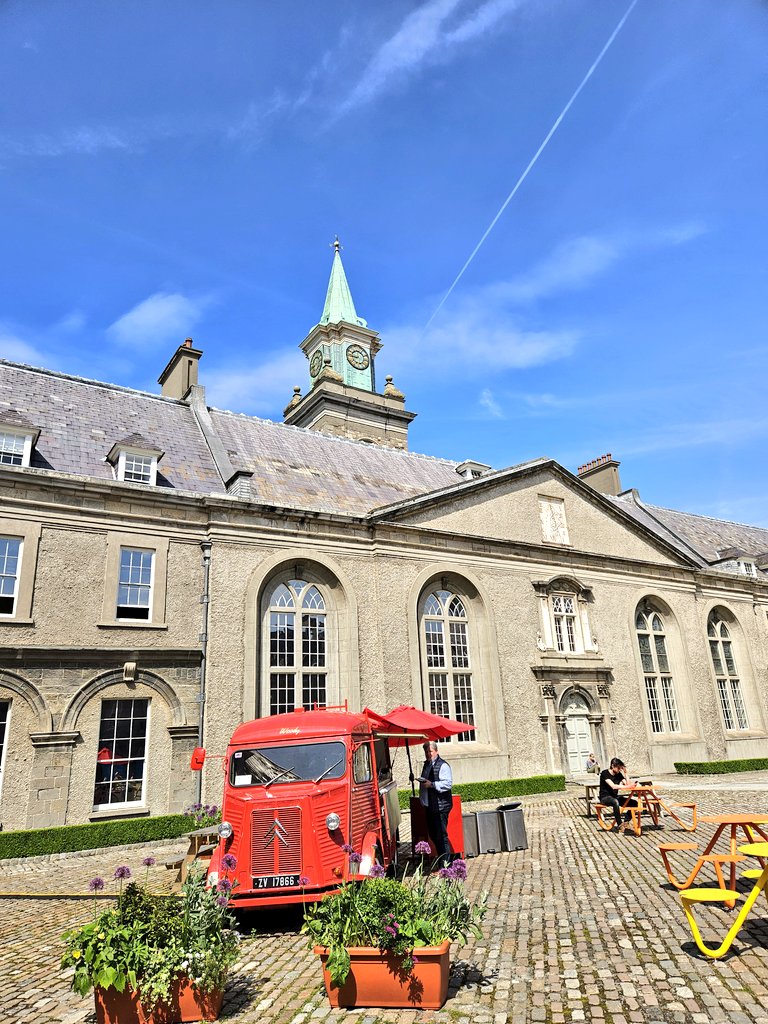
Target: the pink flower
pixel 303 881
pixel 96 884
pixel 354 858
pixel 222 900
pixel 423 849
pixel 149 862
pixel 377 871
pixel 224 885
pixel 347 848
pixel 121 872
pixel 229 862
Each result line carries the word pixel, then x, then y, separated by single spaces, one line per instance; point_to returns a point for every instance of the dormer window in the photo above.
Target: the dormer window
pixel 135 461
pixel 16 446
pixel 747 566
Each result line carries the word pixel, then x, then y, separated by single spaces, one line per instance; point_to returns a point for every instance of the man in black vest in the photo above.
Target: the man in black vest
pixel 435 785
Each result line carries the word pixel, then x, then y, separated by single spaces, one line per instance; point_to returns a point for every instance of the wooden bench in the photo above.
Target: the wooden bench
pixel 202 843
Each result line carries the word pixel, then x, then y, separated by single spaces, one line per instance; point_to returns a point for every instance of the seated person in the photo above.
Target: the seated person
pixel 593 765
pixel 611 779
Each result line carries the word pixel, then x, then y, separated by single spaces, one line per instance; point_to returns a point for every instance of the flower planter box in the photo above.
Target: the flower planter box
pixel 376 979
pixel 187 1003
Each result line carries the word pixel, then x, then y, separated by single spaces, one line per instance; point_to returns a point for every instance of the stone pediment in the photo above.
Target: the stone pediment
pixel 538 503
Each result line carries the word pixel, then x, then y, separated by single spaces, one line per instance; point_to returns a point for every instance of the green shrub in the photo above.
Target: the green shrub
pixel 500 788
pixel 747 764
pixel 93 836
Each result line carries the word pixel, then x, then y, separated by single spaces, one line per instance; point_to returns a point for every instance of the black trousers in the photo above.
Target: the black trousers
pixel 437 827
pixel 618 805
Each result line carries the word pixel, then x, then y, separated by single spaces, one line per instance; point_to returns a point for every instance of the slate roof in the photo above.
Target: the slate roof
pixel 301 468
pixel 80 420
pixel 706 536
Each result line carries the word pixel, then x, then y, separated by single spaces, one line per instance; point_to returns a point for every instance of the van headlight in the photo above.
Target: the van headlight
pixel 225 830
pixel 332 822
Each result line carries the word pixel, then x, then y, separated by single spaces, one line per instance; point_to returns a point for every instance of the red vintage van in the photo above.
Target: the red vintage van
pixel 298 788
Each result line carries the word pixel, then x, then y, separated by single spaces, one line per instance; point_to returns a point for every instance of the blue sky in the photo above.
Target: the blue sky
pixel 180 168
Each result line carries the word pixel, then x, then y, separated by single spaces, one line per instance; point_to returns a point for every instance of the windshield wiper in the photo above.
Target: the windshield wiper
pixel 330 769
pixel 279 775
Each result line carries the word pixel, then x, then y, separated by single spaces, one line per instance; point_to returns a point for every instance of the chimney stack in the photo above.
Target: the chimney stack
pixel 181 372
pixel 602 473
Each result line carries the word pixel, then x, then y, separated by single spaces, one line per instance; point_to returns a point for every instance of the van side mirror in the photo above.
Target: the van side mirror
pixel 198 759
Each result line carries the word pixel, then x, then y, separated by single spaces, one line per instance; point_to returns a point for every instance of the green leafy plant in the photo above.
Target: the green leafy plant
pixel 747 764
pixel 147 940
pixel 93 836
pixel 499 788
pixel 397 917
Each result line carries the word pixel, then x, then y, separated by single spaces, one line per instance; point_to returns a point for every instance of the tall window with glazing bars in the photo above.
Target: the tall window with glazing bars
pixel 659 684
pixel 446 658
pixel 726 674
pixel 298 648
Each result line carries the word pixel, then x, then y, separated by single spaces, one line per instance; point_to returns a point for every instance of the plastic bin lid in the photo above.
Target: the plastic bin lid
pixel 510 807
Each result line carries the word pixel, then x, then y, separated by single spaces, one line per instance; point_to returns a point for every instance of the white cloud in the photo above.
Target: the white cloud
pixel 251 128
pixel 693 434
pixel 264 390
pixel 19 351
pixel 71 323
pixel 576 262
pixel 164 316
pixel 422 37
pixel 491 406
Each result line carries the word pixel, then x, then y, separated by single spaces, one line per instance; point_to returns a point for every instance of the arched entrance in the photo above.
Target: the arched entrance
pixel 578 732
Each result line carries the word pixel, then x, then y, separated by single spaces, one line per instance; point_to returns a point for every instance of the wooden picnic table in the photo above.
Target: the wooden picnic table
pixel 202 843
pixel 749 824
pixel 591 788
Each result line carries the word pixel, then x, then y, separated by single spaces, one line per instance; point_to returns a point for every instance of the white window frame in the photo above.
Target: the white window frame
pixel 747 567
pixel 19 559
pixel 446 658
pixel 26 448
pixel 137 453
pixel 573 641
pixel 300 590
pixel 124 549
pixel 141 802
pixel 658 681
pixel 730 687
pixel 4 743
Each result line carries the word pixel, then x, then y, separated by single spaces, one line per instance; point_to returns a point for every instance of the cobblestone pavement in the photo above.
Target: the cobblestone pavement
pixel 580 928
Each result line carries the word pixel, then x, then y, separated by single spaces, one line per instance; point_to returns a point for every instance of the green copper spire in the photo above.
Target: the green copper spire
pixel 338 300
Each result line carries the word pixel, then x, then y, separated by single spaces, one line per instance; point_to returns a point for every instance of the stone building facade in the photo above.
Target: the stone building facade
pixel 168 570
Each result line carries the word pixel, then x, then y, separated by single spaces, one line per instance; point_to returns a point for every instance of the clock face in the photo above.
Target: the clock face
pixel 316 363
pixel 357 357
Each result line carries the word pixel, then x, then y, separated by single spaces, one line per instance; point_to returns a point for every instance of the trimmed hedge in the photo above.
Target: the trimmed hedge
pixel 93 836
pixel 499 789
pixel 747 764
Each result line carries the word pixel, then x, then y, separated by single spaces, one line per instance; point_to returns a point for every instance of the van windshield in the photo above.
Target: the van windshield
pixel 293 762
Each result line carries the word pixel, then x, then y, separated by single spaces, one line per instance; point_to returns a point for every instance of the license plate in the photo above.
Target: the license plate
pixel 275 881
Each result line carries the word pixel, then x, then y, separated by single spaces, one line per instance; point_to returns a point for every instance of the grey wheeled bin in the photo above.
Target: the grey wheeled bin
pixel 469 827
pixel 513 826
pixel 489 832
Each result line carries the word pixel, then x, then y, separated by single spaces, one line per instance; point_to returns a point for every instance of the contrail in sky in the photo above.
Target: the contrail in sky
pixel 535 157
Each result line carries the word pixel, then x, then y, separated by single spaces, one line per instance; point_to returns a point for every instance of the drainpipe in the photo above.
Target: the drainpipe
pixel 205 547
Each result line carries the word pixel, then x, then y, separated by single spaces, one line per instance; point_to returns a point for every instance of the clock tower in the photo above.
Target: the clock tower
pixel 341 350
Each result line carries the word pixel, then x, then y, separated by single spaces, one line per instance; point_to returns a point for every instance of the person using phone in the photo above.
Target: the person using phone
pixel 435 784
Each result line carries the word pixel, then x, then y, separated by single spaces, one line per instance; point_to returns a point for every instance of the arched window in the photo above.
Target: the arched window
pixel 446 658
pixel 296 642
pixel 726 674
pixel 659 686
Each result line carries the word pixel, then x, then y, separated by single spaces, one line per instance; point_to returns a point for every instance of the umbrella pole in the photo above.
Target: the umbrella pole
pixel 410 770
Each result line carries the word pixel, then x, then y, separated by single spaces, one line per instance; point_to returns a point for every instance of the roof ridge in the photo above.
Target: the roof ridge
pixel 333 437
pixel 90 382
pixel 701 515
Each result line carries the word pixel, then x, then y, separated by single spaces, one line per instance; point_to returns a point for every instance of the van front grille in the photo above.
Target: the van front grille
pixel 276 841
